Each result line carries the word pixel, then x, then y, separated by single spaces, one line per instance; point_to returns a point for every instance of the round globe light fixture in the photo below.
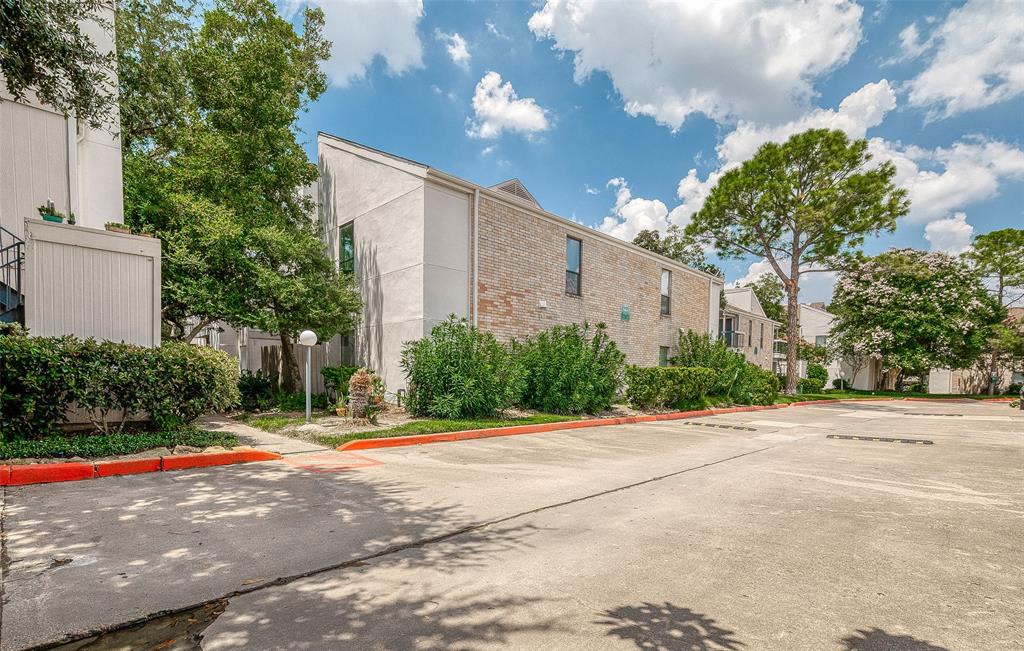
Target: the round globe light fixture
pixel 307 338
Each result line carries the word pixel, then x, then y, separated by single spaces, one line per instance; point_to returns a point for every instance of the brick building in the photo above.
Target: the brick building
pixel 424 244
pixel 747 329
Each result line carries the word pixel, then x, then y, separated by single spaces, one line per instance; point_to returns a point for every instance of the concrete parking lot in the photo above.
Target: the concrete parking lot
pixel 763 530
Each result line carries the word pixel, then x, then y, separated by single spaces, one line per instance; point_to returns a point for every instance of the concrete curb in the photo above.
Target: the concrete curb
pixel 465 435
pixel 443 437
pixel 46 473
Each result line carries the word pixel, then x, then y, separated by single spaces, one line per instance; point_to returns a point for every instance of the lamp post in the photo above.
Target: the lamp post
pixel 308 339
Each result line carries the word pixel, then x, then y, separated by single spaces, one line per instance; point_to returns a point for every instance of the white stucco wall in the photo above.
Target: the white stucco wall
pixel 446 254
pixel 817 323
pixel 386 204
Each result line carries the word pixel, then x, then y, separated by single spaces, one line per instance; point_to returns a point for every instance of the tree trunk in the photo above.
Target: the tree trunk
pixel 994 364
pixel 290 378
pixel 792 329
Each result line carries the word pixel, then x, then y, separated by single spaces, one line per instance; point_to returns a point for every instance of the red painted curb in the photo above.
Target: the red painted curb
pixel 44 473
pixel 203 460
pixel 127 467
pixel 422 439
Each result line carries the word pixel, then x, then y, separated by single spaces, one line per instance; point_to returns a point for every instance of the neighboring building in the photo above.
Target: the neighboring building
pixel 71 279
pixel 815 323
pixel 976 379
pixel 746 329
pixel 424 244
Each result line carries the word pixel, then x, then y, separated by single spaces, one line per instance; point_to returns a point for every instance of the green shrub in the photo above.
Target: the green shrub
pixel 755 386
pixel 36 381
pixel 188 381
pixel 458 372
pixel 810 385
pixel 816 371
pixel 568 370
pixel 698 350
pixel 107 445
pixel 297 401
pixel 669 386
pixel 256 391
pixel 1013 389
pixel 336 380
pixel 40 377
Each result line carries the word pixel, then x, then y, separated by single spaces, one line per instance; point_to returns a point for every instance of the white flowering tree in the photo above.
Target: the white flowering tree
pixel 914 311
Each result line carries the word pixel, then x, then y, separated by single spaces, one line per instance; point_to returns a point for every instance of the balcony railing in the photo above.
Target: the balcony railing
pixel 780 348
pixel 734 339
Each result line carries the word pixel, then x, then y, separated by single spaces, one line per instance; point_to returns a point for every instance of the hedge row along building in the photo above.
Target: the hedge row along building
pixel 424 244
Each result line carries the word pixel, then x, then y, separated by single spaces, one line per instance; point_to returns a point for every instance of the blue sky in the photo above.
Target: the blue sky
pixel 611 105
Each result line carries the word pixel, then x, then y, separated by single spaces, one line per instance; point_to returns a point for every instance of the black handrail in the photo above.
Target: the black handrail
pixel 12 257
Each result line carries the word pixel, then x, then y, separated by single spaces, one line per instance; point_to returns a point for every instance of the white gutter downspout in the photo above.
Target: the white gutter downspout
pixel 476 255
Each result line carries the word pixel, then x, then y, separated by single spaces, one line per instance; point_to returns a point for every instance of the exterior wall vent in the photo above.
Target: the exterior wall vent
pixel 516 188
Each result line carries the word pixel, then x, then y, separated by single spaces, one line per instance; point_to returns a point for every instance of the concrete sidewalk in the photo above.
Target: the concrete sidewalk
pixel 769 537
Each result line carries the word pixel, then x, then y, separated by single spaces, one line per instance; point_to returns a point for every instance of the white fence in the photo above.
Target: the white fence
pixel 91 283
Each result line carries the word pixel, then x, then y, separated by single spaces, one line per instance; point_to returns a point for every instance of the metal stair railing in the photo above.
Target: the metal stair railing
pixel 12 258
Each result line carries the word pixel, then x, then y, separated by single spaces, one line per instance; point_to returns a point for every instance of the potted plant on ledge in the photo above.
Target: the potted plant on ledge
pixel 50 213
pixel 117 227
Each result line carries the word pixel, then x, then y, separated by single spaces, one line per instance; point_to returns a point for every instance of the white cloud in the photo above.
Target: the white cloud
pixel 858 112
pixel 498 108
pixel 456 47
pixel 591 190
pixel 911 45
pixel 951 235
pixel 946 179
pixel 493 29
pixel 978 58
pixel 488 150
pixel 724 59
pixel 360 31
pixel 815 286
pixel 630 214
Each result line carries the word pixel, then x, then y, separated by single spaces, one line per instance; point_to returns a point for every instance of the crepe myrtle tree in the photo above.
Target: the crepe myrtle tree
pixel 914 311
pixel 800 205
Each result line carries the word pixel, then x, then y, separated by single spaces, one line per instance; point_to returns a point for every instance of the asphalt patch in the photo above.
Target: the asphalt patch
pixel 879 439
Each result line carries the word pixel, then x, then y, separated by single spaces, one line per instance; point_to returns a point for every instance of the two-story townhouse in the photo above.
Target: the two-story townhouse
pixel 746 328
pixel 424 244
pixel 62 278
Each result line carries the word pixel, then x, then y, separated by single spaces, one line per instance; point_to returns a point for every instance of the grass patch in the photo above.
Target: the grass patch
pixel 851 394
pixel 432 426
pixel 99 445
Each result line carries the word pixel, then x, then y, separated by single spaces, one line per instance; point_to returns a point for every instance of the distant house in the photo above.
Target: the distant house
pixel 747 329
pixel 424 244
pixel 975 380
pixel 79 279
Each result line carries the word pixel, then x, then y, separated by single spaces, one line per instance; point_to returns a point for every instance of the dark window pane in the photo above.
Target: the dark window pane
pixel 572 283
pixel 665 304
pixel 663 356
pixel 347 250
pixel 572 254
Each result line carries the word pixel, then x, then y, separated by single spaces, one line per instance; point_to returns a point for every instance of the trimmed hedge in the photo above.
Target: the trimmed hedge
pixel 755 386
pixel 458 372
pixel 568 370
pixel 668 386
pixel 41 377
pixel 698 350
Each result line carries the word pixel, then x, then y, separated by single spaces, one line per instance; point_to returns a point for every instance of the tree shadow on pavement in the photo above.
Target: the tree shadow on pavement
pixel 668 627
pixel 876 639
pixel 332 614
pixel 88 555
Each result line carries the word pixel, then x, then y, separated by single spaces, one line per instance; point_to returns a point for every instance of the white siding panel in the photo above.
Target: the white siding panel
pixel 33 163
pixel 91 283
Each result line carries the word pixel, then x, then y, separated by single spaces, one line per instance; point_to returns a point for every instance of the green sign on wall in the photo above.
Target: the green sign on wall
pixel 624 313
